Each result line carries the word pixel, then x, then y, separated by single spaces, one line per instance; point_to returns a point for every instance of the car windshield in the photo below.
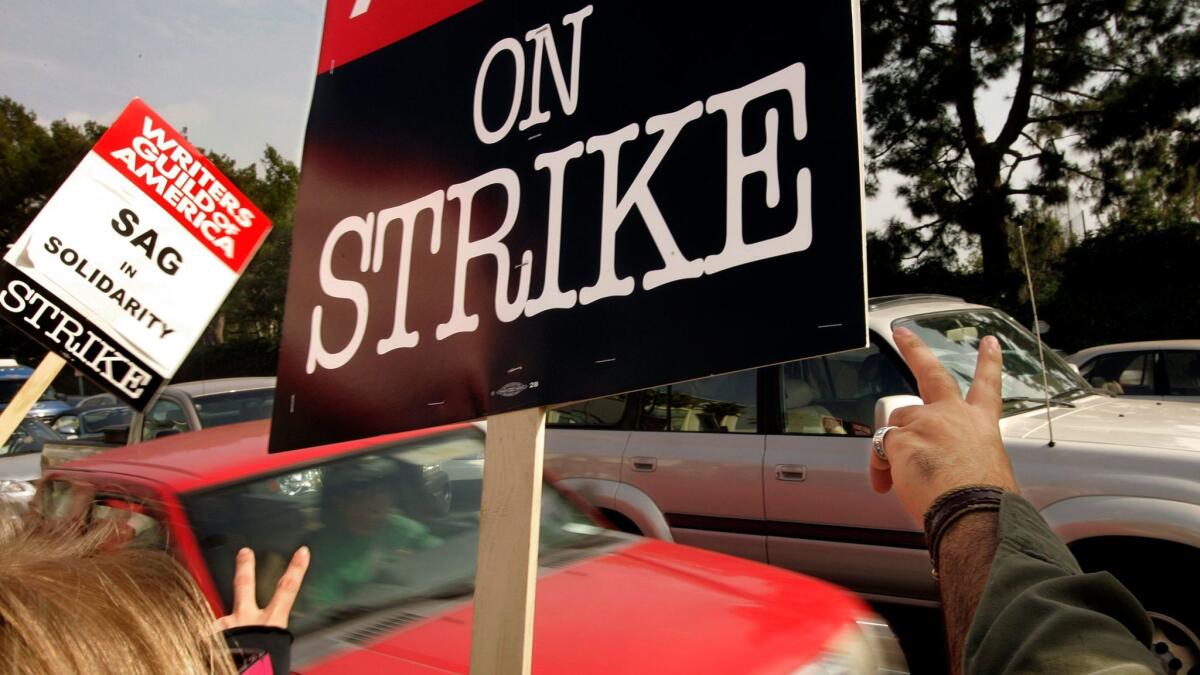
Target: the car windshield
pixel 28 437
pixel 954 337
pixel 388 528
pixel 232 407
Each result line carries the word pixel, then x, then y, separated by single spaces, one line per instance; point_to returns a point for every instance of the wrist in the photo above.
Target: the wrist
pixel 950 508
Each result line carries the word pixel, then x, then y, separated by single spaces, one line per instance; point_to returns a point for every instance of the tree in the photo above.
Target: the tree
pixel 1116 79
pixel 34 162
pixel 1127 283
pixel 254 309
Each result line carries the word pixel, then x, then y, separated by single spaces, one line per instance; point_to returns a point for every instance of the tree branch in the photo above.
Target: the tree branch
pixel 933 239
pixel 1021 158
pixel 1065 117
pixel 964 85
pixel 1018 114
pixel 1027 190
pixel 1080 172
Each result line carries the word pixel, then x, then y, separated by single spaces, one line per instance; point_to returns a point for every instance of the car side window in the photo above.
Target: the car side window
pixel 598 412
pixel 164 419
pixel 807 393
pixel 836 394
pixel 1130 373
pixel 25 439
pixel 721 404
pixel 77 504
pixel 1183 373
pixel 135 527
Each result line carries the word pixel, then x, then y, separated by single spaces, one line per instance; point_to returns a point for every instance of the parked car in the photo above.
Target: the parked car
pixel 20 463
pixel 13 376
pixel 179 408
pixel 1163 370
pixel 188 406
pixel 607 602
pixel 772 464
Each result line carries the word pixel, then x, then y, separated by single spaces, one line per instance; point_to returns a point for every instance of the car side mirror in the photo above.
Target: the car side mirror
pixel 886 405
pixel 67 425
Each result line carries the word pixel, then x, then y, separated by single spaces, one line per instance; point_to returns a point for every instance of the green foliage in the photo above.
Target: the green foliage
pixel 235 358
pixel 34 162
pixel 1127 283
pixel 254 309
pixel 895 265
pixel 1117 77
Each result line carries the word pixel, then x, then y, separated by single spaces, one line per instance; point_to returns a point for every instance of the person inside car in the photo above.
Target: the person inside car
pixel 1015 599
pixel 363 529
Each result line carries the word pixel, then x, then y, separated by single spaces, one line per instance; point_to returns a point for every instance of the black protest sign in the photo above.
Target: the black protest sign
pixel 529 203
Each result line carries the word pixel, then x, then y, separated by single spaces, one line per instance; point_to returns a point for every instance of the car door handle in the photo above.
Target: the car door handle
pixel 791 472
pixel 644 463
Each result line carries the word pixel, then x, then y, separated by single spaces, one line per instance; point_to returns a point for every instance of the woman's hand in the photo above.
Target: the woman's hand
pixel 246 611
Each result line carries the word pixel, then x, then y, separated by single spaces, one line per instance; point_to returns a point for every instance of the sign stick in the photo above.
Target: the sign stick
pixel 506 568
pixel 29 394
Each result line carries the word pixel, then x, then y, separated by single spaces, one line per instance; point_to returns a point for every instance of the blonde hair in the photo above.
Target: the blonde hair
pixel 71 603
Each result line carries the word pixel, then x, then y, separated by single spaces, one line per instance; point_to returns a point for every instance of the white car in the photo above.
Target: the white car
pixel 772 464
pixel 1164 370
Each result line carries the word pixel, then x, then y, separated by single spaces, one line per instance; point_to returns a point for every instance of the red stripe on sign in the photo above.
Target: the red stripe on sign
pixel 355 28
pixel 163 164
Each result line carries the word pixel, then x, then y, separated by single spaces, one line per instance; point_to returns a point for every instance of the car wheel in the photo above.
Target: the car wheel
pixel 1154 578
pixel 1176 644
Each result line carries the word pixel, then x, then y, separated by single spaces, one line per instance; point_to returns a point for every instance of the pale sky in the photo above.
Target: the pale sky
pixel 237 73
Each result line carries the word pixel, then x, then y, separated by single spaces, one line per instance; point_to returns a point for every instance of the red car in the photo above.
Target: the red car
pixel 389 589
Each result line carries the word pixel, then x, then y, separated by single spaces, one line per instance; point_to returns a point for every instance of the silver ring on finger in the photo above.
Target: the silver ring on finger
pixel 877 441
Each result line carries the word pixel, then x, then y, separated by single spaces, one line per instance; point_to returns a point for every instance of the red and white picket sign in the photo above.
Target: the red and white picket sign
pixel 126 264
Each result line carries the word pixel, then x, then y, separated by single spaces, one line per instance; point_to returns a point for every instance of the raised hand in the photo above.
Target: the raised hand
pixel 948 442
pixel 246 611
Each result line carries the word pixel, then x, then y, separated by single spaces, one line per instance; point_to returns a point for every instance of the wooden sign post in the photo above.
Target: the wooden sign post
pixel 507 563
pixel 29 394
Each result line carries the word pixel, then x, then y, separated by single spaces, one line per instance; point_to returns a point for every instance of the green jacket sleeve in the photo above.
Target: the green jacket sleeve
pixel 1040 613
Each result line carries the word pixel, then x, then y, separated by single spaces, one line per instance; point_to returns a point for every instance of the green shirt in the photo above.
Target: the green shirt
pixel 1041 614
pixel 343 561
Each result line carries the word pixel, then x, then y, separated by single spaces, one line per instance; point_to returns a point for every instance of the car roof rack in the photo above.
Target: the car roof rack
pixel 886 300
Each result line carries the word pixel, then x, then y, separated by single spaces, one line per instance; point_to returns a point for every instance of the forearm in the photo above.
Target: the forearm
pixel 965 559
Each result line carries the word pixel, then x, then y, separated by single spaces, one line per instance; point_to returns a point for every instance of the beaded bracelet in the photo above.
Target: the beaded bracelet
pixel 952 505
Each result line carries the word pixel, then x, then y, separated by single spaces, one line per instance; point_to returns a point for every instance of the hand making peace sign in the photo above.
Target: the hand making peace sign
pixel 948 442
pixel 246 611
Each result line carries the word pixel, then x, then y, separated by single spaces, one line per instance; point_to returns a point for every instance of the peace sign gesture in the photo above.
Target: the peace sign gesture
pixel 246 611
pixel 948 442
